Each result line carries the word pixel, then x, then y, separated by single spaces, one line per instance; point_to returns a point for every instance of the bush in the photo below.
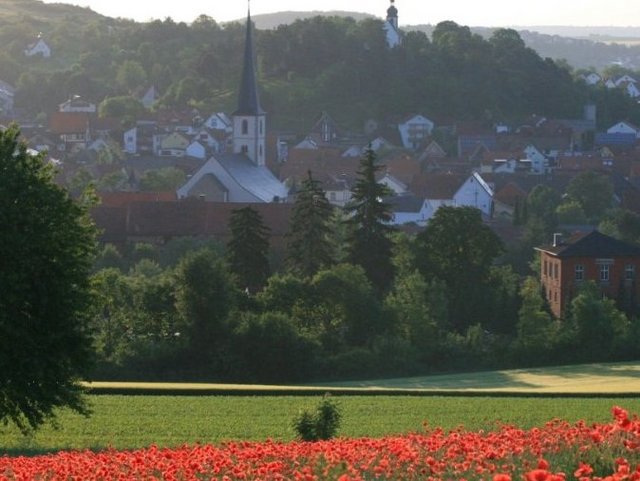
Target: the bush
pixel 321 425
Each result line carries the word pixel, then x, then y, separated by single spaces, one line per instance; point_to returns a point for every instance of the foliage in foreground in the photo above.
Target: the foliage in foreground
pixel 555 452
pixel 322 424
pixel 46 251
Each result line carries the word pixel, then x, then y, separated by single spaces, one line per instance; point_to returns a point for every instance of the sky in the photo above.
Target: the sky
pixel 492 13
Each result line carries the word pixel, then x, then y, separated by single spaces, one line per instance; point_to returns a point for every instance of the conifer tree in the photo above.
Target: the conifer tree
pixel 309 245
pixel 369 242
pixel 248 249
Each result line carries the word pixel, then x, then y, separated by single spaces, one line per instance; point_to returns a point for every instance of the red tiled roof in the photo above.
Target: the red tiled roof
pixel 185 218
pixel 509 193
pixel 61 123
pixel 325 162
pixel 437 186
pixel 121 199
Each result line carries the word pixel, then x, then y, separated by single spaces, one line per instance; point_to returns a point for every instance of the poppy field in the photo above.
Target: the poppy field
pixel 555 451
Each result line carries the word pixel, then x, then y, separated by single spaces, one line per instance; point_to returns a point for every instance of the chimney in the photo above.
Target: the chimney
pixel 557 240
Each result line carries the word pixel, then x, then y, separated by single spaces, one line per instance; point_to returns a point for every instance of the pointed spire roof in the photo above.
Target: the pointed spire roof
pixel 248 99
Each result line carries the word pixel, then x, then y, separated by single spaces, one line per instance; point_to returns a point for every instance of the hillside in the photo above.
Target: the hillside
pixel 44 13
pixel 329 63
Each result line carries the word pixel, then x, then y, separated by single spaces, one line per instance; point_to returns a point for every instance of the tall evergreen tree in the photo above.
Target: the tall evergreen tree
pixel 309 245
pixel 248 249
pixel 369 242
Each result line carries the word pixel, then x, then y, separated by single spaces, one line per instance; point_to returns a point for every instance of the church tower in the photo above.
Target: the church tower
pixel 392 15
pixel 249 120
pixel 391 27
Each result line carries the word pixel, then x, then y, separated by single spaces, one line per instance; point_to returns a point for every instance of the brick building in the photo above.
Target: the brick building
pixel 612 264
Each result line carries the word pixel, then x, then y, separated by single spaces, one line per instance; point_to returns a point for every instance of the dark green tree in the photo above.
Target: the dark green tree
pixel 345 307
pixel 309 240
pixel 593 192
pixel 598 323
pixel 534 323
pixel 248 249
pixel 459 249
pixel 204 298
pixel 46 245
pixel 369 241
pixel 159 180
pixel 622 224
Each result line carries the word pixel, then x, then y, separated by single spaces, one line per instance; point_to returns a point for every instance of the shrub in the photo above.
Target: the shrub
pixel 321 425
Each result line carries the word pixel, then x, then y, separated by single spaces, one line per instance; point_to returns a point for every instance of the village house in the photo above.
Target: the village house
pixel 415 131
pixel 624 128
pixel 7 98
pixel 38 48
pixel 592 256
pixel 77 104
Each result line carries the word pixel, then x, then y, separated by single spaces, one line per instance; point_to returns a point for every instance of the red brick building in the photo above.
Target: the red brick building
pixel 612 264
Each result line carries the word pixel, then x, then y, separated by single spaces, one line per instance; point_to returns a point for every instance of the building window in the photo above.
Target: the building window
pixel 630 272
pixel 555 271
pixel 245 150
pixel 579 272
pixel 546 268
pixel 261 126
pixel 604 272
pixel 245 127
pixel 555 296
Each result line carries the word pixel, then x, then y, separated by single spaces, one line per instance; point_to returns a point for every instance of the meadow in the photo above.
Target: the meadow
pixel 166 417
pixel 128 422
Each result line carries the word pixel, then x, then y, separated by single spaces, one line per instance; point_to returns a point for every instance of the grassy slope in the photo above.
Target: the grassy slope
pixel 613 379
pixel 588 378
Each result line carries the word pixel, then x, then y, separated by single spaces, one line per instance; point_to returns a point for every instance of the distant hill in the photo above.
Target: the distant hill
pixel 44 12
pixel 582 47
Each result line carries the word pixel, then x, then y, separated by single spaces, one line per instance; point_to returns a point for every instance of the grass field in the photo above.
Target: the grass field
pixel 138 421
pixel 125 421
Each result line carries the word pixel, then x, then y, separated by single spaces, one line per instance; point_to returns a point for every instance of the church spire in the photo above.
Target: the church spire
pixel 248 99
pixel 392 15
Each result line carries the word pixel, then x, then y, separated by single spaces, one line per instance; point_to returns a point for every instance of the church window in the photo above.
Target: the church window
pixel 245 149
pixel 261 126
pixel 245 127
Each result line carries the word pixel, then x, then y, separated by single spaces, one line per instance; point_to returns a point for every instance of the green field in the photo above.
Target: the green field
pixel 138 421
pixel 126 421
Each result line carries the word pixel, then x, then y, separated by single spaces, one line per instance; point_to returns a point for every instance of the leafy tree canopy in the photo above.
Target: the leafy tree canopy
pixel 46 247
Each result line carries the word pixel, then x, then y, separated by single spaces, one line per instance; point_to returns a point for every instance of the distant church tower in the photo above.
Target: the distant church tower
pixel 391 27
pixel 249 120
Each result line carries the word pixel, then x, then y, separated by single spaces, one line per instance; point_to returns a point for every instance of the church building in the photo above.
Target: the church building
pixel 241 175
pixel 394 37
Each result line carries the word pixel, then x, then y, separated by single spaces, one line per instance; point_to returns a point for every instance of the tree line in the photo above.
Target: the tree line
pixel 354 296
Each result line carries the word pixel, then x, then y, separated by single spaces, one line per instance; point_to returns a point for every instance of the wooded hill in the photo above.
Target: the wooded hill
pixel 334 64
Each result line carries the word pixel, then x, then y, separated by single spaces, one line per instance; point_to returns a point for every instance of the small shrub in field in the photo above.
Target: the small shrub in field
pixel 321 425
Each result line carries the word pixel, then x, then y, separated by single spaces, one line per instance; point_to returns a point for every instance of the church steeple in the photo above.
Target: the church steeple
pixel 249 120
pixel 248 99
pixel 392 15
pixel 394 37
